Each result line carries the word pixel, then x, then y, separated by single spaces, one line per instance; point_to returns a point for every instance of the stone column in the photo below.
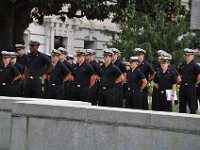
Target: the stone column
pixel 195 15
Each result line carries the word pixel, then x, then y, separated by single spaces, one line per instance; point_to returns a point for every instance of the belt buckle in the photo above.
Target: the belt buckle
pixel 129 89
pixel 162 92
pixel 104 88
pixel 186 84
pixel 53 84
pixel 31 77
pixel 78 86
pixel 3 83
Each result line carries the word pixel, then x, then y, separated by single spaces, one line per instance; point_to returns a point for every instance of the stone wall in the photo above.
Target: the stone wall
pixel 195 15
pixel 46 126
pixel 5 116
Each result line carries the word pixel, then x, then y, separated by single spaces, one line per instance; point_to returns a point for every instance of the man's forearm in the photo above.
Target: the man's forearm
pixel 92 80
pixel 198 79
pixel 120 79
pixel 17 77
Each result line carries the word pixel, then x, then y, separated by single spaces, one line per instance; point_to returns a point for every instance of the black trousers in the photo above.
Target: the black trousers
pixel 107 96
pixel 94 94
pixel 125 87
pixel 118 95
pixel 80 93
pixel 145 105
pixel 197 95
pixel 67 90
pixel 55 91
pixel 15 89
pixel 22 88
pixel 33 88
pixel 5 90
pixel 187 96
pixel 134 99
pixel 160 102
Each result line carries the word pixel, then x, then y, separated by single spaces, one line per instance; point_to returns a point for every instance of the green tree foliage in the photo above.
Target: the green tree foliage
pixel 15 15
pixel 153 25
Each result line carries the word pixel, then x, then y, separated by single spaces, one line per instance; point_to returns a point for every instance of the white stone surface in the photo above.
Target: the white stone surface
pixel 195 15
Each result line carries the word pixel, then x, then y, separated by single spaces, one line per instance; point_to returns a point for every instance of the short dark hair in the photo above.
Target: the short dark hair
pixel 34 43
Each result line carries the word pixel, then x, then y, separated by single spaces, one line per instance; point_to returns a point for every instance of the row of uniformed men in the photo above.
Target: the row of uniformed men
pixel 187 76
pixel 87 81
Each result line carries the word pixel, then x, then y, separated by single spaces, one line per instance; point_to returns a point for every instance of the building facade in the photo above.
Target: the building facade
pixel 72 34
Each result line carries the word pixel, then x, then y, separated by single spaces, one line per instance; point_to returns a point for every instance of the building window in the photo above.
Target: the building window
pixel 60 41
pixel 90 43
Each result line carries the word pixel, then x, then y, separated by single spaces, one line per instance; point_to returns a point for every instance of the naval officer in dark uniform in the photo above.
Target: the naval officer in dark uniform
pixel 165 79
pixel 37 66
pixel 18 84
pixel 118 86
pixel 57 77
pixel 149 73
pixel 136 82
pixel 198 92
pixel 190 75
pixel 108 76
pixel 84 78
pixel 22 57
pixel 89 57
pixel 67 84
pixel 8 74
pixel 162 53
